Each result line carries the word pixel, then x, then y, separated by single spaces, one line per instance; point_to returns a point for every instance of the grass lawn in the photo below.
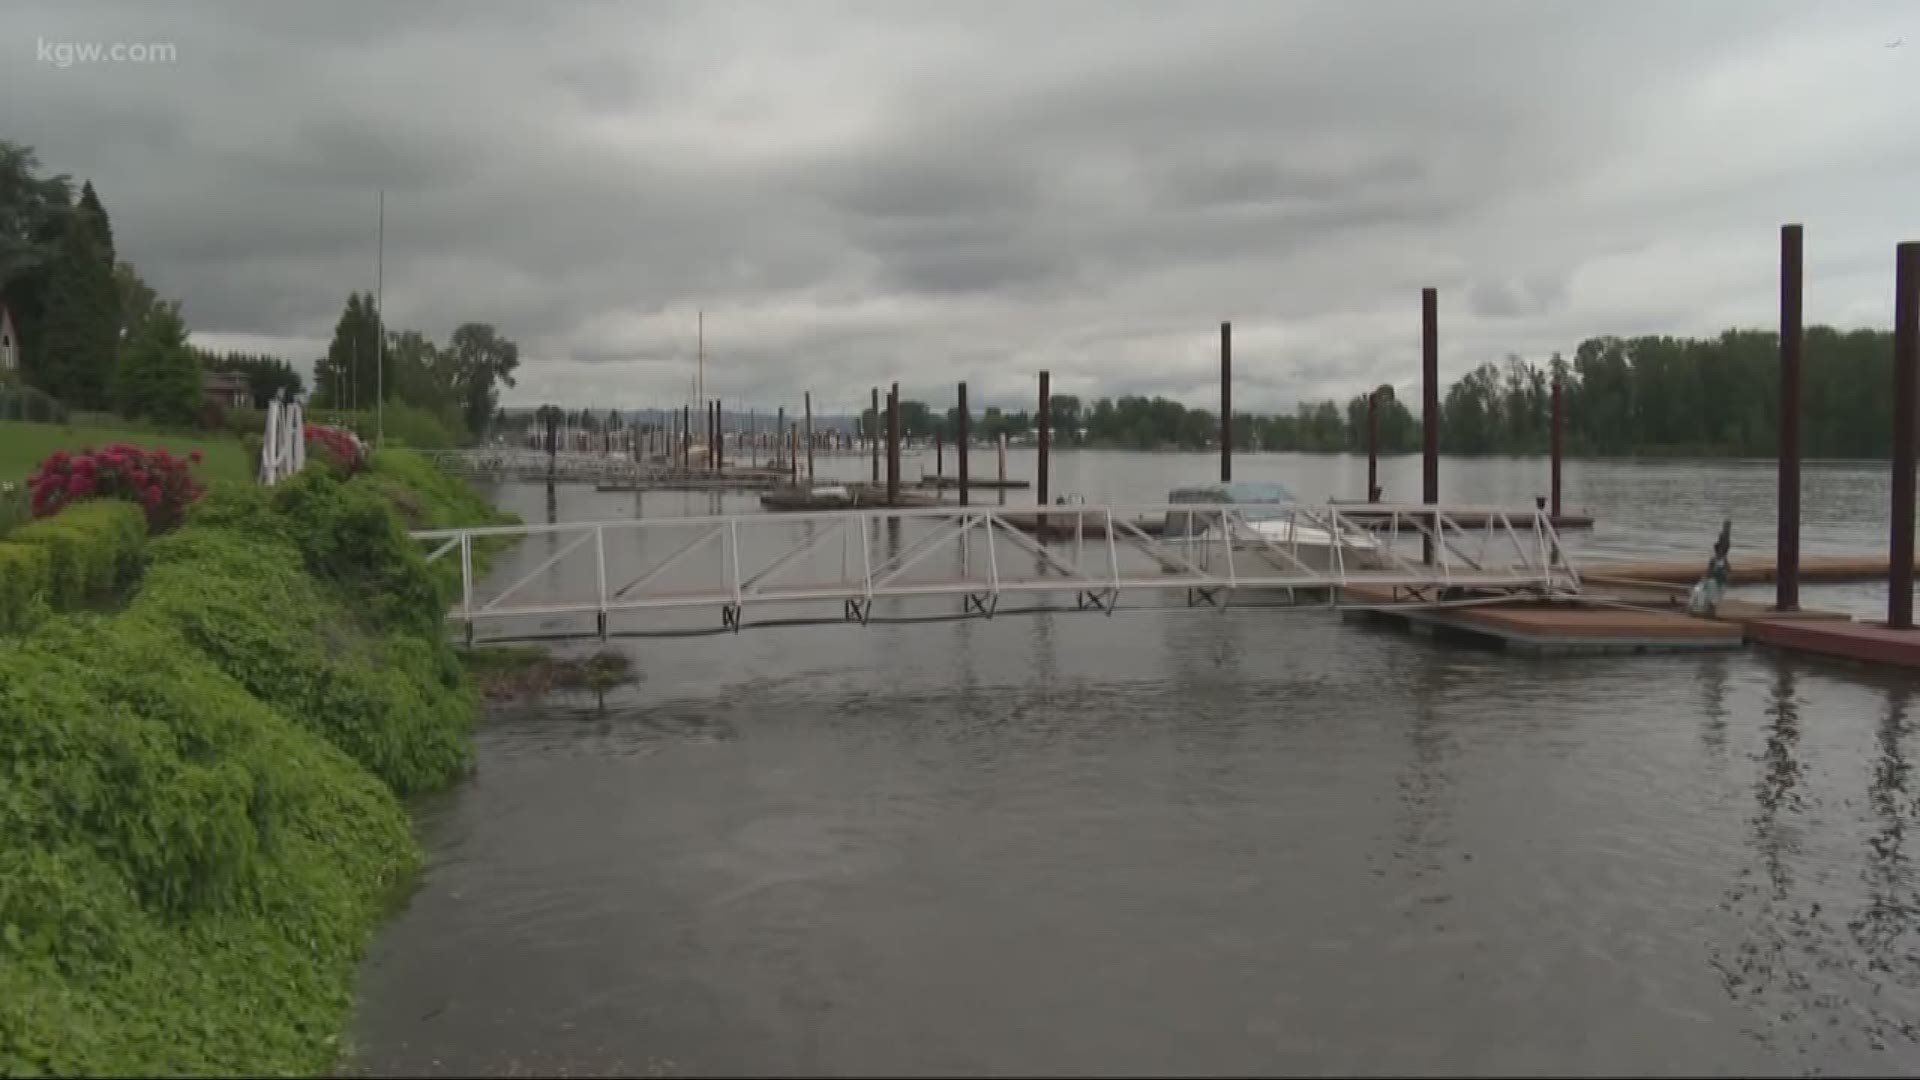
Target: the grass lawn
pixel 24 445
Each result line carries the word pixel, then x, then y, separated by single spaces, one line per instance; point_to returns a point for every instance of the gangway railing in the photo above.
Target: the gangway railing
pixel 739 569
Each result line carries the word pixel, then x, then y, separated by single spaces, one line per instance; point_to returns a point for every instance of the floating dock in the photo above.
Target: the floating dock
pixel 1467 519
pixel 1744 570
pixel 1550 628
pixel 1872 643
pixel 857 496
pixel 730 480
pixel 952 483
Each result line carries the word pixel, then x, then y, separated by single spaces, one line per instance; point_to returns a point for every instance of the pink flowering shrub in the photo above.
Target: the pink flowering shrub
pixel 158 480
pixel 340 450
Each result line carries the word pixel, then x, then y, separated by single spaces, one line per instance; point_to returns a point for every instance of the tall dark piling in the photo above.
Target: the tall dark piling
pixel 686 438
pixel 1373 446
pixel 1555 436
pixel 1786 595
pixel 1430 409
pixel 893 445
pixel 939 454
pixel 808 399
pixel 1046 436
pixel 1906 378
pixel 965 438
pixel 873 436
pixel 779 434
pixel 793 455
pixel 1226 403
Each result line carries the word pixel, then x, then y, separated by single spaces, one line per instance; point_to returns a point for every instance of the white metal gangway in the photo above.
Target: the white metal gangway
pixel 650 576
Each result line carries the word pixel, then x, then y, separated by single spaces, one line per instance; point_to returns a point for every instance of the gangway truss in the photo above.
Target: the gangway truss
pixel 679 575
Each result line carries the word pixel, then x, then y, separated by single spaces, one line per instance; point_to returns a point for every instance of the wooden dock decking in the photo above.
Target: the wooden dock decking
pixel 1541 628
pixel 952 483
pixel 860 496
pixel 1467 519
pixel 1745 570
pixel 1873 643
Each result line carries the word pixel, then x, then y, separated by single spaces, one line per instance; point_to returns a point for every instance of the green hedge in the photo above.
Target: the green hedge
pixel 199 821
pixel 93 548
pixel 24 572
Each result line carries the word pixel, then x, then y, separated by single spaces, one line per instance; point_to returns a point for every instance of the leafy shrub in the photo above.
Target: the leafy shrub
pixel 30 403
pixel 188 877
pixel 25 574
pixel 157 480
pixel 393 701
pixel 198 828
pixel 350 538
pixel 158 374
pixel 427 498
pixel 92 549
pixel 245 421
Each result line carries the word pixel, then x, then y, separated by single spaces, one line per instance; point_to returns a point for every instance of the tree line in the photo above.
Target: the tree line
pixel 458 383
pixel 1650 396
pixel 94 336
pixel 91 333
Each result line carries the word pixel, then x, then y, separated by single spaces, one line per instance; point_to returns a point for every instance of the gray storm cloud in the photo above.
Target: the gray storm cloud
pixel 858 193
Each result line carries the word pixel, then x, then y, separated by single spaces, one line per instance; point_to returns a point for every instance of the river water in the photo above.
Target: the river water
pixel 1185 841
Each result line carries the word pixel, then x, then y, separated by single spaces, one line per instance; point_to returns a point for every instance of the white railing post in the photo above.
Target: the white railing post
pixel 866 560
pixel 466 576
pixel 600 574
pixel 733 542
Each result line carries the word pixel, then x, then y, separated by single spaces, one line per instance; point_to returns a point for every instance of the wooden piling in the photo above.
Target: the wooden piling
pixel 1373 445
pixel 965 441
pixel 1555 432
pixel 939 455
pixel 808 399
pixel 779 434
pixel 893 445
pixel 1429 407
pixel 1787 541
pixel 686 437
pixel 1046 432
pixel 1003 457
pixel 793 454
pixel 1226 404
pixel 1906 378
pixel 873 436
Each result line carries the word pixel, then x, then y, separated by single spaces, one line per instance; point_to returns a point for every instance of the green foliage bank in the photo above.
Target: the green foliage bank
pixel 200 817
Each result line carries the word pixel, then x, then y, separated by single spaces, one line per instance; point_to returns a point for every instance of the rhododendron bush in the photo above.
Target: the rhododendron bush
pixel 336 447
pixel 158 480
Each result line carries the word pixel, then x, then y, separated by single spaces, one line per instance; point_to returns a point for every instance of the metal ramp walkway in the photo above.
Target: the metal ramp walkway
pixel 691 575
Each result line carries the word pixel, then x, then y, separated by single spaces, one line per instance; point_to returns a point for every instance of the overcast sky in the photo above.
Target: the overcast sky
pixel 858 193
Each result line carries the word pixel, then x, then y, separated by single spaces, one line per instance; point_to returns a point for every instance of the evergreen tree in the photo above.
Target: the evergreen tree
pixel 82 324
pixel 159 374
pixel 97 220
pixel 346 377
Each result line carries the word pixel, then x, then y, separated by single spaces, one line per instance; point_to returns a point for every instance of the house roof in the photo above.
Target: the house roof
pixel 223 380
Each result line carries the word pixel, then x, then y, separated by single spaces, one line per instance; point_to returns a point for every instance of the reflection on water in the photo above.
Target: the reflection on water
pixel 1239 841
